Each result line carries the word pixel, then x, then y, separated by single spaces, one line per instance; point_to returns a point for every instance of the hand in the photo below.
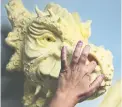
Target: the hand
pixel 74 80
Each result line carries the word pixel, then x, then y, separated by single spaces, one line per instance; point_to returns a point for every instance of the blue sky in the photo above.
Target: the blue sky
pixel 105 16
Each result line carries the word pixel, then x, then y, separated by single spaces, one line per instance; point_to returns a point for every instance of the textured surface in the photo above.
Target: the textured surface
pixel 37 40
pixel 113 98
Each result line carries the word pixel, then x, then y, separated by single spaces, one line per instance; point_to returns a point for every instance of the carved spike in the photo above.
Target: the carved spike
pixel 16 11
pixel 7 8
pixel 76 17
pixel 88 23
pixel 51 12
pixel 49 94
pixel 86 29
pixel 38 89
pixel 36 94
pixel 38 12
pixel 59 20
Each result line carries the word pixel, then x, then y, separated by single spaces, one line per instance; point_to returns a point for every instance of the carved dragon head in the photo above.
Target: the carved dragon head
pixel 38 38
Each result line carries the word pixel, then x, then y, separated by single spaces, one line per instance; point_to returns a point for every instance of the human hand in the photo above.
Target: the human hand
pixel 74 79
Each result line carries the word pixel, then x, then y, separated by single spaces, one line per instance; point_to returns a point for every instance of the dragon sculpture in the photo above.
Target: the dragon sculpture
pixel 37 39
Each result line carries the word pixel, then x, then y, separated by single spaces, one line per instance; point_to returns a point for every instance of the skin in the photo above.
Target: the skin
pixel 74 79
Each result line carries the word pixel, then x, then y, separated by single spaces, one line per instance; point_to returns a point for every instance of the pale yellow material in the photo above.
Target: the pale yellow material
pixel 38 38
pixel 113 97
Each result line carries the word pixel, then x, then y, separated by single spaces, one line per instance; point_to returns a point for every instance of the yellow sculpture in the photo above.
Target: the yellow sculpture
pixel 113 97
pixel 38 39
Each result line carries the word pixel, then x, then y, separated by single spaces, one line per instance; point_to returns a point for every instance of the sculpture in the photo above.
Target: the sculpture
pixel 38 39
pixel 115 91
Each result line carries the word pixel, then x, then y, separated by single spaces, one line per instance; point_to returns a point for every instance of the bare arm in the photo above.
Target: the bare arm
pixel 74 80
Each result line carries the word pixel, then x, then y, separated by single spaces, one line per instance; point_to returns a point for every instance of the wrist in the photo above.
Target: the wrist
pixel 67 98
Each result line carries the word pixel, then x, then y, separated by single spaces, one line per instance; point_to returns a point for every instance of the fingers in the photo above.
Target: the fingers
pixel 64 65
pixel 84 54
pixel 93 87
pixel 96 83
pixel 76 54
pixel 91 66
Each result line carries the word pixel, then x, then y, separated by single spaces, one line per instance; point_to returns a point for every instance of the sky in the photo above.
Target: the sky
pixel 105 16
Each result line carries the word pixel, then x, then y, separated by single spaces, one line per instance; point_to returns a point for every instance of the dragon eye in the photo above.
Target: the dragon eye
pixel 48 39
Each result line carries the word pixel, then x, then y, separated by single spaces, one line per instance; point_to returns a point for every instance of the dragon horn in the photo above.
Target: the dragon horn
pixel 16 12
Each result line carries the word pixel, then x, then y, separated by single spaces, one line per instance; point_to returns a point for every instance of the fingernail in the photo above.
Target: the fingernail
pixel 65 47
pixel 80 42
